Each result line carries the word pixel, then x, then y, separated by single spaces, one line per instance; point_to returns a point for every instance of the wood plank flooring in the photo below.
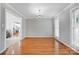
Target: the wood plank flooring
pixel 39 46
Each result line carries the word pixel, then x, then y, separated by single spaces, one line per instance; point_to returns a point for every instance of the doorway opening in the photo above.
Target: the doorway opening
pixel 75 28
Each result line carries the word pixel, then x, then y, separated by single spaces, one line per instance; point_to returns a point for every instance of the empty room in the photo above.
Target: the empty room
pixel 39 28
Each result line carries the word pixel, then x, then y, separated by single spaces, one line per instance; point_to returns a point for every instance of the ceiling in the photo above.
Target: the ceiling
pixel 43 9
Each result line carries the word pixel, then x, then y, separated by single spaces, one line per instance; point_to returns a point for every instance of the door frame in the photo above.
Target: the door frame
pixel 56 26
pixel 72 24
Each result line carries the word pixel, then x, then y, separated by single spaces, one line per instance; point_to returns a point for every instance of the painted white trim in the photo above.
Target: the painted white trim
pixel 39 36
pixel 68 45
pixel 74 8
pixel 71 21
pixel 65 9
pixel 2 51
pixel 12 8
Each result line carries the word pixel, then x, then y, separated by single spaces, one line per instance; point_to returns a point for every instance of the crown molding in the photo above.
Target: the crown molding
pixel 8 6
pixel 64 9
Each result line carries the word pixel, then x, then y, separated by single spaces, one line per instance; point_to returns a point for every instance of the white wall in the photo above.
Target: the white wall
pixel 65 25
pixel 24 28
pixel 2 28
pixel 40 27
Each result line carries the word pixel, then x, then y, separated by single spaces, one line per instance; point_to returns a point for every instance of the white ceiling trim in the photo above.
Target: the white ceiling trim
pixel 12 8
pixel 64 9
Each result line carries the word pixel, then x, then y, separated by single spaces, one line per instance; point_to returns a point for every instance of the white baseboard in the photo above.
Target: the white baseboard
pixel 39 36
pixel 67 45
pixel 2 51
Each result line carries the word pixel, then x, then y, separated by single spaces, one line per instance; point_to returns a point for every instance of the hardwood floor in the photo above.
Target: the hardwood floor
pixel 39 46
